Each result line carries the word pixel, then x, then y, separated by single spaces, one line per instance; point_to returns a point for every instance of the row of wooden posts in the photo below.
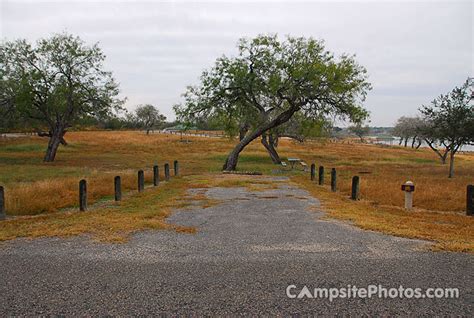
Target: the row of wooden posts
pixel 355 189
pixel 117 186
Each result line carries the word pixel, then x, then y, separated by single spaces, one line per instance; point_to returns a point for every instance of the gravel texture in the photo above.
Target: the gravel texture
pixel 248 249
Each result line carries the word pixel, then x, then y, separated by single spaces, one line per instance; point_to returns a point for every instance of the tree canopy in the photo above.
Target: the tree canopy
pixel 271 80
pixel 449 121
pixel 360 130
pixel 410 127
pixel 148 117
pixel 54 84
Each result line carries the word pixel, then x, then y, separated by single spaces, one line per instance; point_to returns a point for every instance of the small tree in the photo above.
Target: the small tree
pixel 451 120
pixel 360 130
pixel 148 117
pixel 408 128
pixel 55 84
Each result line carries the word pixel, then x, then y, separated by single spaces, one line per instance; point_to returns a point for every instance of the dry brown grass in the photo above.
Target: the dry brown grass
pixel 33 187
pixel 111 221
pixel 450 231
pixel 383 170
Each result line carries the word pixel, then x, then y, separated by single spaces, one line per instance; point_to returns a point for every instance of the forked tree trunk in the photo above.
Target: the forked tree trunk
pixel 231 161
pixel 56 138
pixel 442 156
pixel 271 149
pixel 419 144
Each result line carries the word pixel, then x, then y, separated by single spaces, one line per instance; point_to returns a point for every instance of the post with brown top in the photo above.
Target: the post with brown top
pixel 470 200
pixel 83 195
pixel 156 175
pixel 3 215
pixel 313 171
pixel 167 172
pixel 321 175
pixel 118 188
pixel 141 181
pixel 355 194
pixel 176 167
pixel 408 187
pixel 333 180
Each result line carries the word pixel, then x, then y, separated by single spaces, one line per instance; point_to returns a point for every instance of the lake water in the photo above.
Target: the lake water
pixel 469 148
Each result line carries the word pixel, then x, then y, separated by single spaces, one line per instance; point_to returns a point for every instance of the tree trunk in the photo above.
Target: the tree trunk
pixel 271 149
pixel 56 138
pixel 413 142
pixel 231 161
pixel 243 129
pixel 442 156
pixel 451 163
pixel 274 140
pixel 419 144
pixel 406 141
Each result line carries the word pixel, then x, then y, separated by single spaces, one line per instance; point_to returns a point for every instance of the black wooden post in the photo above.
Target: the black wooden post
pixel 141 181
pixel 176 167
pixel 2 204
pixel 167 171
pixel 333 180
pixel 83 195
pixel 313 171
pixel 355 188
pixel 470 200
pixel 118 188
pixel 156 175
pixel 321 175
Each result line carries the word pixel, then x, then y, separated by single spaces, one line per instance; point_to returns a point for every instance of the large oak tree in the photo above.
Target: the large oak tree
pixel 271 80
pixel 55 83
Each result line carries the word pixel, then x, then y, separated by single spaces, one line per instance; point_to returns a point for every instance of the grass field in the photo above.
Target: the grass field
pixel 44 195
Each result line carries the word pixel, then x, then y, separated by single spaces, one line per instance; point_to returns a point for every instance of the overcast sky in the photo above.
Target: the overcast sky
pixel 412 50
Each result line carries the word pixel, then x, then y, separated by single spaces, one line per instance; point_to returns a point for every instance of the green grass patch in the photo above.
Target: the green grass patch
pixel 23 148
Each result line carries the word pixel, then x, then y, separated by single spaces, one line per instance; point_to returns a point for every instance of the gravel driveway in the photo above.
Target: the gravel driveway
pixel 248 249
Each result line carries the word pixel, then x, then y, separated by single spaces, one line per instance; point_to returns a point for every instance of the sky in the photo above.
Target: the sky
pixel 413 50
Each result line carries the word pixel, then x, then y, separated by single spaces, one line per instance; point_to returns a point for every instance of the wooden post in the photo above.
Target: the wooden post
pixel 355 188
pixel 321 175
pixel 333 180
pixel 408 187
pixel 470 200
pixel 3 215
pixel 141 181
pixel 83 195
pixel 313 171
pixel 118 188
pixel 167 172
pixel 176 168
pixel 156 175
